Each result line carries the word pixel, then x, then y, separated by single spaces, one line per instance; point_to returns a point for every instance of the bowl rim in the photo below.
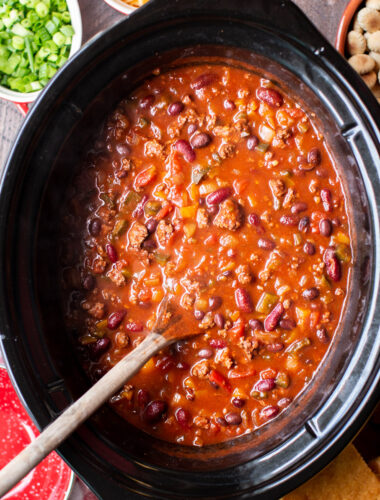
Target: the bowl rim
pixel 120 6
pixel 76 21
pixel 344 24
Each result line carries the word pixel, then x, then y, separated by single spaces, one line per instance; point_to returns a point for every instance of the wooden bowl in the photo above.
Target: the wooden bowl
pixel 345 23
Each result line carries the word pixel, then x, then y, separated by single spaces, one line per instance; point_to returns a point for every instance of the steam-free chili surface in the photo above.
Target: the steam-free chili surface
pixel 210 185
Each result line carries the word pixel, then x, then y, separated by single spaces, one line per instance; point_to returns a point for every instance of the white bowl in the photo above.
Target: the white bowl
pixel 120 6
pixel 76 21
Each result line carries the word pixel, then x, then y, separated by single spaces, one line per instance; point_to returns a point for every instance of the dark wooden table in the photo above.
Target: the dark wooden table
pixel 98 16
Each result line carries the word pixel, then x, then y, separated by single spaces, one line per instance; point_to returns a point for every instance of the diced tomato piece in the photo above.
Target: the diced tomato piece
pixel 295 113
pixel 145 177
pixel 178 196
pixel 211 240
pixel 314 319
pixel 237 330
pixel 165 210
pixel 175 166
pixel 219 379
pixel 240 185
pixel 238 373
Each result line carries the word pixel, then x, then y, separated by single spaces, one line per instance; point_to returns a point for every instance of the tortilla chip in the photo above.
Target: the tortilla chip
pixel 348 477
pixel 374 465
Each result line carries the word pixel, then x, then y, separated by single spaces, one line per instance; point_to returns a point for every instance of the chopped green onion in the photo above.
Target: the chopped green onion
pixel 35 41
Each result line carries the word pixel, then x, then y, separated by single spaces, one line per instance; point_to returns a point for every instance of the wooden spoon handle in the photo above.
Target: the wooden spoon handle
pixel 79 411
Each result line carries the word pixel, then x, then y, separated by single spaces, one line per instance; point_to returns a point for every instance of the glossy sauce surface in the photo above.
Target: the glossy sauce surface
pixel 210 185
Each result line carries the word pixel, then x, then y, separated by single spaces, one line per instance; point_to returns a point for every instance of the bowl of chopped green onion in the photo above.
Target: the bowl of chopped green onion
pixel 36 39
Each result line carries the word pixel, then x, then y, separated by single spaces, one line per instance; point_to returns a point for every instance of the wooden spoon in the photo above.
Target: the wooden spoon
pixel 166 331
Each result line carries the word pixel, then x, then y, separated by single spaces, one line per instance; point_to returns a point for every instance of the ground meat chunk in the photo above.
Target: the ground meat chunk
pixel 202 422
pixel 164 232
pixel 96 310
pixel 154 148
pixel 99 264
pixel 126 166
pixel 106 214
pixel 207 322
pixel 187 301
pixel 117 277
pixel 289 198
pixel 249 346
pixel 278 187
pixel 279 140
pixel 201 369
pixel 137 234
pixel 194 284
pixel 202 218
pixel 229 215
pixel 223 357
pixel 244 275
pixel 226 150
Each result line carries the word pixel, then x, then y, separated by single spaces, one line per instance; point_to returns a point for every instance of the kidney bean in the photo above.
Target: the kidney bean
pixel 206 353
pixel 233 418
pixel 333 268
pixel 287 324
pixel 325 227
pixel 266 244
pixel 314 157
pixel 270 97
pixel 111 252
pixel 326 198
pixel 217 343
pixel 219 320
pixel 321 172
pixel 322 335
pixel 228 104
pixel 214 302
pixel 275 347
pixel 147 101
pixel 151 225
pixel 192 128
pixel 154 411
pixel 134 326
pixel 238 402
pixel 149 245
pixel 252 142
pixel 289 220
pixel 95 227
pixel 89 282
pixel 298 207
pixel 98 348
pixel 255 324
pixel 182 365
pixel 123 149
pixel 221 421
pixel 185 149
pixel 142 398
pixel 203 81
pixel 183 416
pixel 328 254
pixel 200 140
pixel 198 315
pixel 304 224
pixel 273 318
pixel 218 196
pixel 311 293
pixel 165 363
pixel 269 412
pixel 115 319
pixel 175 108
pixel 265 385
pixel 253 219
pixel 309 248
pixel 243 300
pixel 283 402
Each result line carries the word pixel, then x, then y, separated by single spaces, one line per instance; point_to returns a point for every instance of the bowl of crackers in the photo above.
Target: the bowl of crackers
pixel 358 40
